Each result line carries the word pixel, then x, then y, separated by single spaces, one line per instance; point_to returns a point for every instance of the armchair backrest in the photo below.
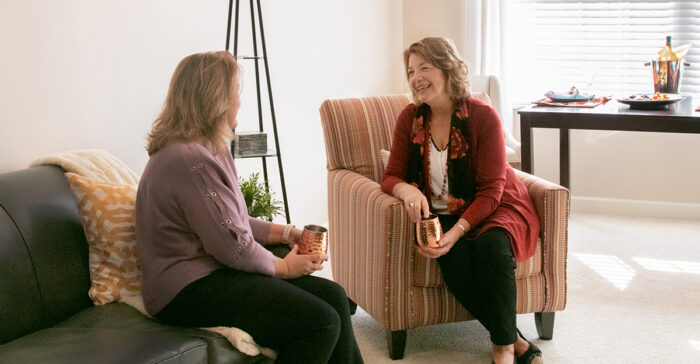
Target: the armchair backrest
pixel 356 129
pixel 491 87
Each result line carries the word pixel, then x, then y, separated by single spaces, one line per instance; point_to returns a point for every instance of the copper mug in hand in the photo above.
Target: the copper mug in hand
pixel 314 240
pixel 429 231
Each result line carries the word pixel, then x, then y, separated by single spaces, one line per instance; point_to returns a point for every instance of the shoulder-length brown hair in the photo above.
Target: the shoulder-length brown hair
pixel 441 53
pixel 199 99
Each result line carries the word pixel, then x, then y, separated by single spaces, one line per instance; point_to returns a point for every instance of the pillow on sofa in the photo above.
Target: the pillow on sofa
pixel 107 213
pixel 482 96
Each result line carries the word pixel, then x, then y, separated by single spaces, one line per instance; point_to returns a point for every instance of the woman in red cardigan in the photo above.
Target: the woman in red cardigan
pixel 448 158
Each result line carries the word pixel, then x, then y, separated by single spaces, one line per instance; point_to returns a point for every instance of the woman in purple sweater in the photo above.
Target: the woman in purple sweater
pixel 203 258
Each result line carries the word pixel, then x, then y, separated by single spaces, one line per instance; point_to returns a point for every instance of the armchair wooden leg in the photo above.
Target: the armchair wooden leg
pixel 396 341
pixel 353 306
pixel 544 321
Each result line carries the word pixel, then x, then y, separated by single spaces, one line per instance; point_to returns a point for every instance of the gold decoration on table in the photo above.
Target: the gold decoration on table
pixel 666 70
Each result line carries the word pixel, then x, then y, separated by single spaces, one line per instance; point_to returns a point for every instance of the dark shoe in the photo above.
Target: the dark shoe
pixel 533 355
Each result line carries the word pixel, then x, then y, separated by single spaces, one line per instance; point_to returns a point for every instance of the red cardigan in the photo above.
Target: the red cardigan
pixel 501 198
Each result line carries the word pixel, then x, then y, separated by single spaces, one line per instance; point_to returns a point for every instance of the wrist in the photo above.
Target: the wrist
pixel 461 229
pixel 287 233
pixel 281 268
pixel 400 190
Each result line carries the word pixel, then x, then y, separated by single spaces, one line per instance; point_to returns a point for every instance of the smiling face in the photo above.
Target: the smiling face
pixel 428 82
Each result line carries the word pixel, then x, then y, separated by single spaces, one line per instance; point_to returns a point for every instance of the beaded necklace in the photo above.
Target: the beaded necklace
pixel 443 161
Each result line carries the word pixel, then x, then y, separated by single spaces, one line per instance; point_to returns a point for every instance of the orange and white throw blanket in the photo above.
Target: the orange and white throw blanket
pixel 102 185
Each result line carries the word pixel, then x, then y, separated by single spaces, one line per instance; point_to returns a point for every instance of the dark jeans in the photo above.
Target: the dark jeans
pixel 480 273
pixel 307 319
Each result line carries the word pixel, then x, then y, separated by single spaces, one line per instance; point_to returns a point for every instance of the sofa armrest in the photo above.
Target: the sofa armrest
pixel 552 204
pixel 369 243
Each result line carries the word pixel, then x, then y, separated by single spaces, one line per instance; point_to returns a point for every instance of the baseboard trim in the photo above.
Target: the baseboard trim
pixel 672 210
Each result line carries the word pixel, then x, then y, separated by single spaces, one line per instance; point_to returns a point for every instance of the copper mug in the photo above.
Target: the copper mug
pixel 314 240
pixel 429 231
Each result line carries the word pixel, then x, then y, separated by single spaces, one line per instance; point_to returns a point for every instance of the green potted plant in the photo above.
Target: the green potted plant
pixel 260 203
pixel 259 199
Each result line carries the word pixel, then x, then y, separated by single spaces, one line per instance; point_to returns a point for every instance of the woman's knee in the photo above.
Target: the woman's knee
pixel 493 246
pixel 337 292
pixel 329 321
pixel 334 294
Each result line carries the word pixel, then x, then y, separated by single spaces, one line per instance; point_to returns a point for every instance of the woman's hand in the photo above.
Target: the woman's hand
pixel 447 241
pixel 413 199
pixel 295 265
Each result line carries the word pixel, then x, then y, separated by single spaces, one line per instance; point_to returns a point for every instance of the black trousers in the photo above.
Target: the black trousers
pixel 307 319
pixel 480 273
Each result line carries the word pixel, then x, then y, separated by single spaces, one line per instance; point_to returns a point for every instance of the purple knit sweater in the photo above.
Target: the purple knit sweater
pixel 191 220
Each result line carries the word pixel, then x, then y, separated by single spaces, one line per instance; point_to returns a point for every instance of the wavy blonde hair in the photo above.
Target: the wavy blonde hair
pixel 198 103
pixel 441 53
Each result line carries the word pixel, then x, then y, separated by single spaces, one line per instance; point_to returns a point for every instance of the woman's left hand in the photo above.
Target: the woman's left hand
pixel 294 237
pixel 446 242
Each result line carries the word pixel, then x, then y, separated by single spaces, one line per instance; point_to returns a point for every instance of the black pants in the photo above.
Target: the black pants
pixel 307 320
pixel 480 273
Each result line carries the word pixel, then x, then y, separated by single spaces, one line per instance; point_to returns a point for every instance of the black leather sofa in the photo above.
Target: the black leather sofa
pixel 46 315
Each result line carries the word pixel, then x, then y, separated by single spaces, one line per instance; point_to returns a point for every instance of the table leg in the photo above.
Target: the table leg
pixel 564 165
pixel 526 144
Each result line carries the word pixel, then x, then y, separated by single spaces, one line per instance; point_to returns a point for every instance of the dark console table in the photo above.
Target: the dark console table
pixel 677 118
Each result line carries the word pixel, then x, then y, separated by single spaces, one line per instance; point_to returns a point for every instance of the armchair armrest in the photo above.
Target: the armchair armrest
pixel 370 249
pixel 552 204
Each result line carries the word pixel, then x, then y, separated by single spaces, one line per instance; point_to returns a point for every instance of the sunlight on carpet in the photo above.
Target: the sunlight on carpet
pixel 672 266
pixel 610 267
pixel 695 344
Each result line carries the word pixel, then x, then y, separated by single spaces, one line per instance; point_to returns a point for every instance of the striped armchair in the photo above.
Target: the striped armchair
pixel 371 236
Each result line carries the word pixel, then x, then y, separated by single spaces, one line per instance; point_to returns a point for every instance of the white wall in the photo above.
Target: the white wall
pixel 436 18
pixel 631 173
pixel 92 74
pixel 82 74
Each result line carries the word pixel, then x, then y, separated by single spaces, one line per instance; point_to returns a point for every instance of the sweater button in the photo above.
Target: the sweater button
pixel 240 248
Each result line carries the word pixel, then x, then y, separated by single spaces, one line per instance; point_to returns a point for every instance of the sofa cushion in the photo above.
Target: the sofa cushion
pixel 107 213
pixel 89 345
pixel 119 316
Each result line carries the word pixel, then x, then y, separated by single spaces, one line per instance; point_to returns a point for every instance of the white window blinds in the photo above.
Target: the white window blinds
pixel 598 46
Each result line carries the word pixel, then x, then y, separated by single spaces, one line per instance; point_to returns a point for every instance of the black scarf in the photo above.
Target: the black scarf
pixel 460 161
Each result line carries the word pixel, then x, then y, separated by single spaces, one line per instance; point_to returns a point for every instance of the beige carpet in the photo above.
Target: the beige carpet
pixel 633 297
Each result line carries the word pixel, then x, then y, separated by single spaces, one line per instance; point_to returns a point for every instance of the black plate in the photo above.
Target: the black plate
pixel 650 104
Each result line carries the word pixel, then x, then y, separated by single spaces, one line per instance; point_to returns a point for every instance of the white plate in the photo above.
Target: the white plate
pixel 557 97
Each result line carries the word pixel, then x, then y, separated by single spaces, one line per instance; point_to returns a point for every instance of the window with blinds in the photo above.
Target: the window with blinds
pixel 598 46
